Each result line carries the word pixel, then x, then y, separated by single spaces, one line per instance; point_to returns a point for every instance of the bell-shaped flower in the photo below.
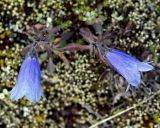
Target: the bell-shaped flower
pixel 127 66
pixel 29 80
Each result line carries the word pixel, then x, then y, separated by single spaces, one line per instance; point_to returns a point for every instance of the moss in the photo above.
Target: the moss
pixel 76 93
pixel 19 15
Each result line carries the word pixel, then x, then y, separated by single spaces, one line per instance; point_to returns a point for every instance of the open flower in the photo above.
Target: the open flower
pixel 29 80
pixel 127 66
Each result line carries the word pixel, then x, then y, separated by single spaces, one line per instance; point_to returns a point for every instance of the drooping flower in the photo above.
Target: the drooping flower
pixel 129 67
pixel 29 79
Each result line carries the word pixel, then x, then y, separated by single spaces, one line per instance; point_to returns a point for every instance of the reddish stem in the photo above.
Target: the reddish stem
pixel 72 47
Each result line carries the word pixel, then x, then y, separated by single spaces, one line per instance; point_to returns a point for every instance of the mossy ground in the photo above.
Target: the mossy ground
pixel 86 91
pixel 76 96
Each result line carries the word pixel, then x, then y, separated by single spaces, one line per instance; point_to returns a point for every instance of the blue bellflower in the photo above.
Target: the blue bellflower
pixel 127 66
pixel 29 80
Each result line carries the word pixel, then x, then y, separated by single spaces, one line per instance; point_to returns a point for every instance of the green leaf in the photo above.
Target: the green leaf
pixel 43 56
pixel 51 38
pixel 62 43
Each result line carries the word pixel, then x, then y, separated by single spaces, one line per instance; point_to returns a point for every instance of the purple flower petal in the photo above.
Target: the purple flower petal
pixel 144 67
pixel 127 66
pixel 29 81
pixel 124 66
